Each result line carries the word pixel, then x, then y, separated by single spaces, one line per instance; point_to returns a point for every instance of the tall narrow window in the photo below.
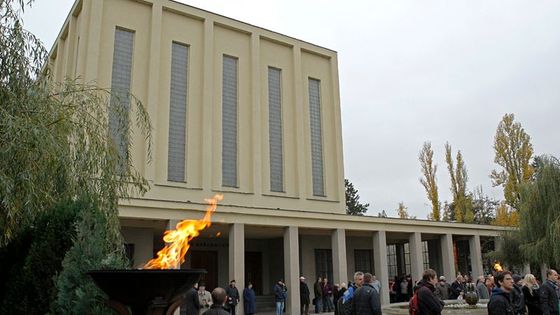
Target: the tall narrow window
pixel 119 106
pixel 316 137
pixel 323 264
pixel 275 129
pixel 176 160
pixel 229 122
pixel 363 260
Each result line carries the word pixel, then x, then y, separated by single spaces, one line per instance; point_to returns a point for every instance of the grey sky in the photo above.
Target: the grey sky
pixel 412 71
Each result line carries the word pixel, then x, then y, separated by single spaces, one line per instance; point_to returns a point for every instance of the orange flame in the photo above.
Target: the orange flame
pixel 173 254
pixel 498 267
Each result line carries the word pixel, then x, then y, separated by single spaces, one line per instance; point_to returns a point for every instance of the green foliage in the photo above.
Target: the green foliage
pixel 513 152
pixel 429 180
pixel 483 207
pixel 510 252
pixel 29 285
pixel 54 140
pixel 353 205
pixel 539 213
pixel 91 250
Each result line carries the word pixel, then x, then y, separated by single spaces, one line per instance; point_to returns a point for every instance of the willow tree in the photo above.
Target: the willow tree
pixel 462 201
pixel 428 179
pixel 539 213
pixel 58 143
pixel 513 152
pixel 54 139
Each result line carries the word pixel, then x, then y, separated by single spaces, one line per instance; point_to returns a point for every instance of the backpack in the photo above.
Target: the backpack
pixel 413 305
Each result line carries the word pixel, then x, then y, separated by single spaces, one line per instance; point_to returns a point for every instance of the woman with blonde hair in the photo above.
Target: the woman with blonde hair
pixel 531 292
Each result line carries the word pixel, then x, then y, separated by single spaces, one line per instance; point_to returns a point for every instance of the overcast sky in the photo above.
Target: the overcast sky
pixel 414 71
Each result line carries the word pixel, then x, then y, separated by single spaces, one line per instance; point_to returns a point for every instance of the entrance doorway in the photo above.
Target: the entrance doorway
pixel 206 259
pixel 253 271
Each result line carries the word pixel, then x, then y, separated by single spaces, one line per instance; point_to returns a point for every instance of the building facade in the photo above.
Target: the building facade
pixel 253 115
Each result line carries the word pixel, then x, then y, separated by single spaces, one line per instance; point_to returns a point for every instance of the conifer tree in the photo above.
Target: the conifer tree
pixel 353 205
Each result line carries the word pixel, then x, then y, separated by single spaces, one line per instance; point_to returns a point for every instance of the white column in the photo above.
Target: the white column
pixel 237 260
pixel 291 269
pixel 447 257
pixel 340 272
pixel 416 256
pixel 544 269
pixel 526 268
pixel 150 170
pixel 380 264
pixel 476 256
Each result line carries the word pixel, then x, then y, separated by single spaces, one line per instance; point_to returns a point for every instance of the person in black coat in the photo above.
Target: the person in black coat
pixel 191 306
pixel 548 294
pixel 249 299
pixel 531 292
pixel 366 299
pixel 232 297
pixel 517 296
pixel 500 303
pixel 304 296
pixel 428 302
pixel 219 297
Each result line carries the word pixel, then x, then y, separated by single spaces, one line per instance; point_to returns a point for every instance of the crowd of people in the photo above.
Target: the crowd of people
pixel 508 294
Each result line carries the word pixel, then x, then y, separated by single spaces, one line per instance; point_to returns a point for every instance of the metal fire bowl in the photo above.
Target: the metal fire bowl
pixel 138 289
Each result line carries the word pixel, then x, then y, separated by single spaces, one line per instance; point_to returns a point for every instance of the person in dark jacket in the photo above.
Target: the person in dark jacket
pixel 428 302
pixel 219 297
pixel 366 299
pixel 191 306
pixel 249 299
pixel 318 291
pixel 303 296
pixel 517 298
pixel 531 292
pixel 549 293
pixel 280 296
pixel 500 303
pixel 232 297
pixel 457 288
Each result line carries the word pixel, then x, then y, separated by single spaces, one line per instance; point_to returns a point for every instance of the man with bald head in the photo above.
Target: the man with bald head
pixel 219 297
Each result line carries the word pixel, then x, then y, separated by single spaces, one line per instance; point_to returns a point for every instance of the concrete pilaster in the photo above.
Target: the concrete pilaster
pixel 380 264
pixel 237 259
pixel 544 269
pixel 340 268
pixel 416 256
pixel 153 89
pixel 526 268
pixel 447 257
pixel 291 269
pixel 475 251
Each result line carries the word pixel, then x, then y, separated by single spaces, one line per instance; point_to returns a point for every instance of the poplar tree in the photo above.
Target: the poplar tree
pixel 462 201
pixel 513 152
pixel 428 179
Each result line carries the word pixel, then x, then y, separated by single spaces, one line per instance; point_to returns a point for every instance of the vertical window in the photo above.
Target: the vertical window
pixel 425 255
pixel 363 260
pixel 316 137
pixel 392 261
pixel 407 258
pixel 176 154
pixel 120 92
pixel 323 264
pixel 229 122
pixel 275 129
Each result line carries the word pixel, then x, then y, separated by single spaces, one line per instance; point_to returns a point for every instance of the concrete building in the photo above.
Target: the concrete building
pixel 254 115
